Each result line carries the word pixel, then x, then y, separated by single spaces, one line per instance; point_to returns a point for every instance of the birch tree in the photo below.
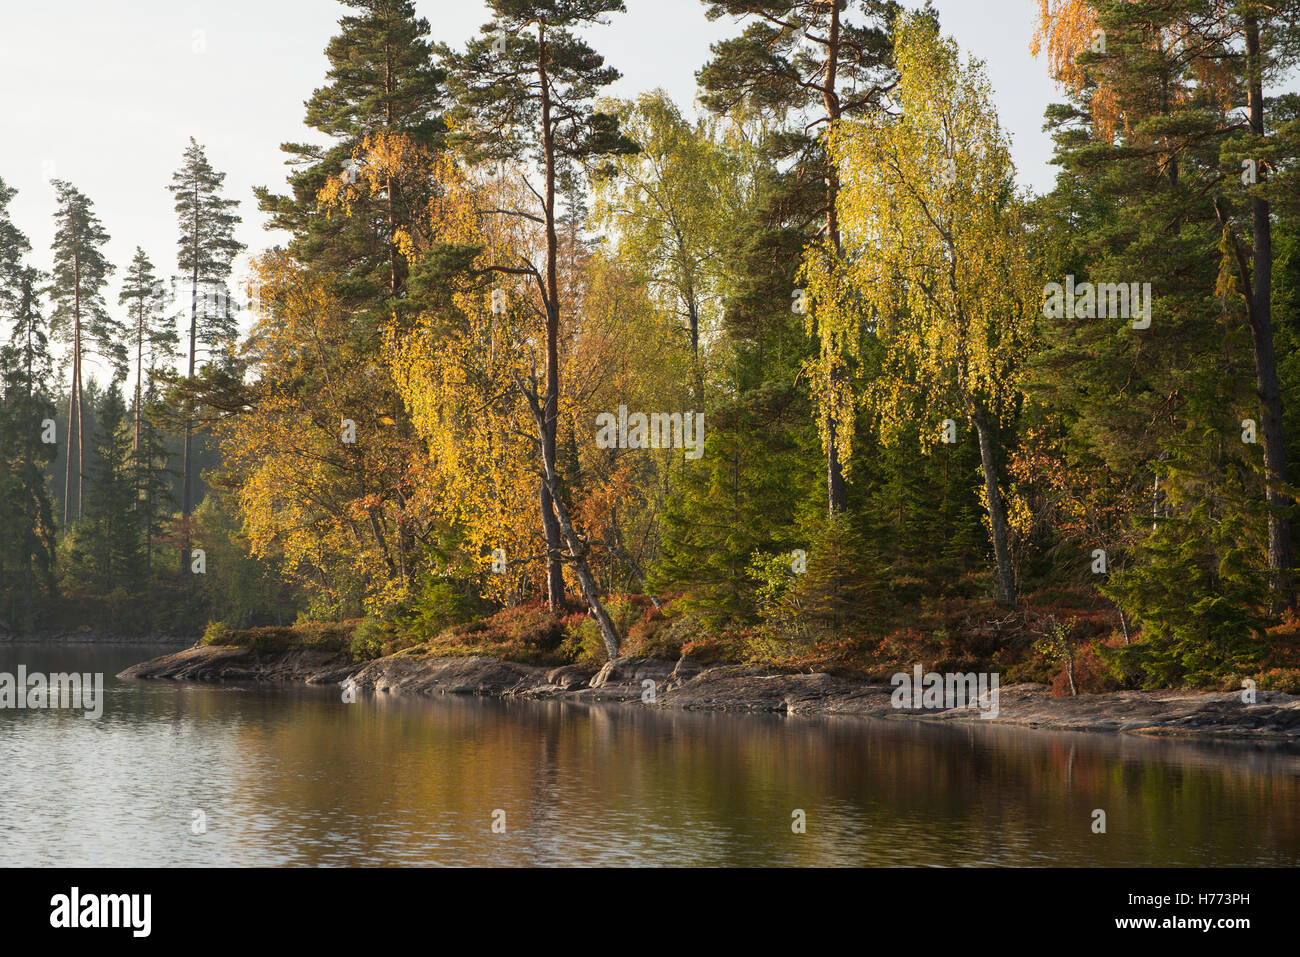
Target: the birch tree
pixel 935 260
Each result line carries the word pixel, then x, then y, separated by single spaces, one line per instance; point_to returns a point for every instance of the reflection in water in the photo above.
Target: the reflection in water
pixel 292 775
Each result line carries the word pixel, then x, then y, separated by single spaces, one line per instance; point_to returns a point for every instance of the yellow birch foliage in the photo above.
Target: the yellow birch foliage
pixel 456 370
pixel 334 509
pixel 935 261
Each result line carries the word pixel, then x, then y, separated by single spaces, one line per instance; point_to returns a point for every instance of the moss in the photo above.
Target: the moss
pixel 333 637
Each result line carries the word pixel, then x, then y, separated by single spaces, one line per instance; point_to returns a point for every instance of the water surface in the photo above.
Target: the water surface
pixel 289 774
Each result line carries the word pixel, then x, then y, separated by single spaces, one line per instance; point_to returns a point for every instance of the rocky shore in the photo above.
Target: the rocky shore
pixel 686 684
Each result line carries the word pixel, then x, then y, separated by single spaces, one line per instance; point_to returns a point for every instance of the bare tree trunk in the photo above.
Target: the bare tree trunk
pixel 997 510
pixel 139 372
pixel 554 560
pixel 76 383
pixel 67 462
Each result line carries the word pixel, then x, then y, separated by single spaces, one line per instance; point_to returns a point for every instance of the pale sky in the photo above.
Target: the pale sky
pixel 106 94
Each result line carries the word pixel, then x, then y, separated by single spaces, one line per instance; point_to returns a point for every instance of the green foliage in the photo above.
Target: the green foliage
pixel 437 604
pixel 1200 584
pixel 106 551
pixel 242 588
pixel 370 639
pixel 744 496
pixel 216 633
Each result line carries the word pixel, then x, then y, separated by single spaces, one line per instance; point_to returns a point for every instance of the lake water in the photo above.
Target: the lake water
pixel 293 775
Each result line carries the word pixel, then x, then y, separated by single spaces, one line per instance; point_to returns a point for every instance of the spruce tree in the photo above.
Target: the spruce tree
pixel 110 535
pixel 27 528
pixel 747 495
pixel 153 479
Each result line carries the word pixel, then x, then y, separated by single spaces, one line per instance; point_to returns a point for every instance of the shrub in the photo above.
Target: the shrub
pixel 216 634
pixel 583 642
pixel 438 605
pixel 1286 680
pixel 369 639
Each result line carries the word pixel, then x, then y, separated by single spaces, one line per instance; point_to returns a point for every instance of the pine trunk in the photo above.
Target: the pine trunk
pixel 1261 329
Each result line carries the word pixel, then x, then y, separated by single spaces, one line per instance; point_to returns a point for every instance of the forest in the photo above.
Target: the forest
pixel 797 376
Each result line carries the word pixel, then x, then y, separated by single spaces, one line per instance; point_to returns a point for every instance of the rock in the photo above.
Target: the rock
pixel 685 684
pixel 470 675
pixel 568 677
pixel 632 670
pixel 230 663
pixel 685 669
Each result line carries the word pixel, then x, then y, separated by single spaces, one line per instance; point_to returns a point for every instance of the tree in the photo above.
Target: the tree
pixel 154 336
pixel 316 451
pixel 109 540
pixel 1270 41
pixel 744 496
pixel 14 245
pixel 27 530
pixel 525 94
pixel 804 57
pixel 155 501
pixel 205 253
pixel 1218 57
pixel 80 317
pixel 673 206
pixel 935 260
pixel 382 83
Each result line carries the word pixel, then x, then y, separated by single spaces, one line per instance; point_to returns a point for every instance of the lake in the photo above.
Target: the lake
pixel 292 775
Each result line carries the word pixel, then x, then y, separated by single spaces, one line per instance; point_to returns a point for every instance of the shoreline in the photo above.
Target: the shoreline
pixel 736 688
pixel 76 637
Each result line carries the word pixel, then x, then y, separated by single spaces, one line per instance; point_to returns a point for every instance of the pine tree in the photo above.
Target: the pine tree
pixel 526 95
pixel 382 82
pixel 1170 79
pixel 1270 46
pixel 13 246
pixel 153 336
pixel 1152 421
pixel 80 318
pixel 206 250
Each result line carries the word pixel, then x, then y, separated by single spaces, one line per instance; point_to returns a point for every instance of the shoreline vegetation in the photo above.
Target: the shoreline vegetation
pixel 529 373
pixel 326 655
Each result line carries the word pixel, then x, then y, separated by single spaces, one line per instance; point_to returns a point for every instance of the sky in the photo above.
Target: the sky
pixel 106 95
